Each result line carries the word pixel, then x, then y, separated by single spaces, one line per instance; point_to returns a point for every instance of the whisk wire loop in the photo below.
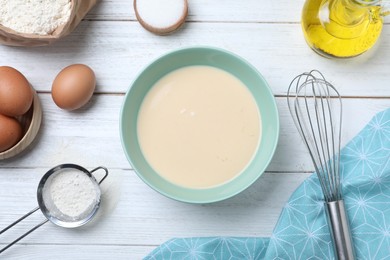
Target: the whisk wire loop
pixel 322 106
pixel 311 102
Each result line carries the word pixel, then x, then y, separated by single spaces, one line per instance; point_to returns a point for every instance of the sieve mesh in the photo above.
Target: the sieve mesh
pixel 70 195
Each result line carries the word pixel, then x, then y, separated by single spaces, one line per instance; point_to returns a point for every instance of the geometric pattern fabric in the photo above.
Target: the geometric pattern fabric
pixel 302 231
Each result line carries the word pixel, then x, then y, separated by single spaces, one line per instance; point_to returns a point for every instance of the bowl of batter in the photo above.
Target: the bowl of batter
pixel 199 125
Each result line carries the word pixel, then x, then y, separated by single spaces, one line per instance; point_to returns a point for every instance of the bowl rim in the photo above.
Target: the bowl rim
pixel 214 198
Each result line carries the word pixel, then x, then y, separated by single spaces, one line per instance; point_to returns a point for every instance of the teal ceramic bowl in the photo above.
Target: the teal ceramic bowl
pixel 200 56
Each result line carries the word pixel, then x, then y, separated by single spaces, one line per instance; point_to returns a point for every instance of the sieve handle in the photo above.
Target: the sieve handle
pixel 101 168
pixel 25 234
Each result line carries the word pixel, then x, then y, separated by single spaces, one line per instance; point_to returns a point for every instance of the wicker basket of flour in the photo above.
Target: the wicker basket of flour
pixel 37 23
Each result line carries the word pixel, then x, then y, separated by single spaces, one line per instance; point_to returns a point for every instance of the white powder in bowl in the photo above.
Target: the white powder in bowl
pixel 70 195
pixel 161 13
pixel 35 17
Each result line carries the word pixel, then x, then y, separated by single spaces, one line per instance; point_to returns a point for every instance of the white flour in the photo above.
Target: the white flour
pixel 32 16
pixel 70 195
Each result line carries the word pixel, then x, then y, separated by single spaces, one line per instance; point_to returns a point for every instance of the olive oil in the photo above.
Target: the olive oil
pixel 341 28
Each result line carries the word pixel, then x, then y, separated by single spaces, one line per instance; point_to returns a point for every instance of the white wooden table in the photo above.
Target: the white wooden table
pixel 134 218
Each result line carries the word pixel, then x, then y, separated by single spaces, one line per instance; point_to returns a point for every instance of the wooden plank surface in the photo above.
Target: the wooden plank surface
pixel 134 219
pixel 79 252
pixel 64 136
pixel 134 214
pixel 118 50
pixel 215 11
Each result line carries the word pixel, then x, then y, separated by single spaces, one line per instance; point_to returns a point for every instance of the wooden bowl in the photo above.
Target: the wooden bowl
pixel 31 122
pixel 162 30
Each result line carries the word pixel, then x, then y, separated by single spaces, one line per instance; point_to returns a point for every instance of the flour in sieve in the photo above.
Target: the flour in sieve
pixel 72 193
pixel 35 17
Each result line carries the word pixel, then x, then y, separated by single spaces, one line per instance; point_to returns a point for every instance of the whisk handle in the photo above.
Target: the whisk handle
pixel 339 229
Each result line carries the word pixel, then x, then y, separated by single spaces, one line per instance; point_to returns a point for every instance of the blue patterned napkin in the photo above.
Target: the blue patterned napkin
pixel 302 231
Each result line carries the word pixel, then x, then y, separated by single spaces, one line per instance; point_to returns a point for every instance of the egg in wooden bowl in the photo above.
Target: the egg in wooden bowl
pixel 20 113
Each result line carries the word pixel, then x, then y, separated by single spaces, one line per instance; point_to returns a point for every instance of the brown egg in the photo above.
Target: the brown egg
pixel 73 86
pixel 10 132
pixel 16 95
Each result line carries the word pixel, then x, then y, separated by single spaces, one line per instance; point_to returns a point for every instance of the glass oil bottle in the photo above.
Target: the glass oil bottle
pixel 342 28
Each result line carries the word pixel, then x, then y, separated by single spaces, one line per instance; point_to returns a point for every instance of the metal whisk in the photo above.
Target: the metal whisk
pixel 316 108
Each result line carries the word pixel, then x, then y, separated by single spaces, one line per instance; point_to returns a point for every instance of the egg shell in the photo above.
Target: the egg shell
pixel 16 95
pixel 10 132
pixel 73 86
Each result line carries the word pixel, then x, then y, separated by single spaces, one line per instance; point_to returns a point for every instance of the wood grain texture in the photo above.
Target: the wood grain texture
pixel 118 50
pixel 134 219
pixel 91 136
pixel 140 216
pixel 203 10
pixel 79 252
